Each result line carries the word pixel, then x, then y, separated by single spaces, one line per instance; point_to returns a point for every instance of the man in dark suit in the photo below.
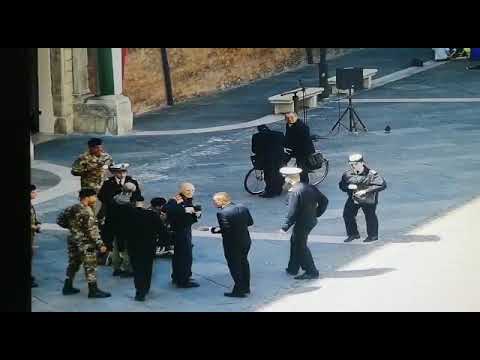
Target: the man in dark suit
pixel 181 215
pixel 145 226
pixel 110 231
pixel 305 204
pixel 268 147
pixel 234 221
pixel 297 138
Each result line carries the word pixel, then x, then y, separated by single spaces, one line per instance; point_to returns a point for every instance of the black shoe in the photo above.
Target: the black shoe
pixel 247 291
pixel 117 272
pixel 306 276
pixel 126 274
pixel 291 272
pixel 96 293
pixel 34 284
pixel 139 297
pixel 188 285
pixel 68 288
pixel 235 294
pixel 351 238
pixel 370 239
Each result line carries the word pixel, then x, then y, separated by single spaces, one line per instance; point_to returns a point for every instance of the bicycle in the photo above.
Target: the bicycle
pixel 254 182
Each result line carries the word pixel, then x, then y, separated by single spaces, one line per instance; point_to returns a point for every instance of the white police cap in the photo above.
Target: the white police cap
pixel 355 158
pixel 288 170
pixel 120 166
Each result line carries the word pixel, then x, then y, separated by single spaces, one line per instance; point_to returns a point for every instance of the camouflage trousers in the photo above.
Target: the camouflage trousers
pixel 78 254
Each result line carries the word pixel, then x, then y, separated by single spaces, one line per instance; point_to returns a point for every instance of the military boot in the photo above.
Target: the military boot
pixel 95 292
pixel 68 288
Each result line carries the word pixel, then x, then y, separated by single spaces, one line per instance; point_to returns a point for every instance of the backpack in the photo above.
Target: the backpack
pixel 65 216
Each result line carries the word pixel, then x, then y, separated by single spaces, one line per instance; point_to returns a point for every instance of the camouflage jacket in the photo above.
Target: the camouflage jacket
pixel 90 169
pixel 84 228
pixel 33 221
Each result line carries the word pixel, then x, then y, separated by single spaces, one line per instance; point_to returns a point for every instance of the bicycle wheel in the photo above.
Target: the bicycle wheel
pixel 318 175
pixel 254 182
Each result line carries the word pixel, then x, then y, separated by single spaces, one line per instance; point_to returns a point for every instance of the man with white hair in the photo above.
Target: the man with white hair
pixel 182 214
pixel 305 204
pixel 362 186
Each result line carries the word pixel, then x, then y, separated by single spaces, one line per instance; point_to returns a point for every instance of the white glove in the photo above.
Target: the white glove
pixel 360 193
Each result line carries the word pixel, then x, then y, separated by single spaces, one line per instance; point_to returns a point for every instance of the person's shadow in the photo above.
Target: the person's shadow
pixel 404 239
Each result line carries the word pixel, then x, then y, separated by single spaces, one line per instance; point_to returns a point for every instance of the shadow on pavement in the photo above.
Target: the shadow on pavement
pixel 358 273
pixel 303 290
pixel 405 239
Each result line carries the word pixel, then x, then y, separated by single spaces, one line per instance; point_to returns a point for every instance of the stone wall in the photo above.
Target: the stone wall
pixel 62 89
pixel 200 71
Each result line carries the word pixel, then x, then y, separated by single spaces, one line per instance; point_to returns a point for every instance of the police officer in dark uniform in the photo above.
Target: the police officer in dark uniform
pixel 234 221
pixel 111 187
pixel 305 204
pixel 362 185
pixel 181 215
pixel 268 147
pixel 298 139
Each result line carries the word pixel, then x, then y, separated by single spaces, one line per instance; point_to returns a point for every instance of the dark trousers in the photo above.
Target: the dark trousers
pixel 300 255
pixel 182 256
pixel 350 211
pixel 142 264
pixel 237 261
pixel 107 232
pixel 273 179
pixel 302 164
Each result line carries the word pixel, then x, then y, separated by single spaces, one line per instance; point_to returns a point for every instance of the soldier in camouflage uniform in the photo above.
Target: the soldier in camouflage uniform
pixel 92 167
pixel 35 225
pixel 83 242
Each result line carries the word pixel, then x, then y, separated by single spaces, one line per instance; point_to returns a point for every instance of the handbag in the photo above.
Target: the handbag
pixel 315 160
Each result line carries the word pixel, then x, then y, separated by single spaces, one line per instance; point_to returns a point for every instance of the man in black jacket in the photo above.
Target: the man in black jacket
pixel 234 221
pixel 297 138
pixel 268 147
pixel 110 231
pixel 145 226
pixel 305 204
pixel 181 214
pixel 362 185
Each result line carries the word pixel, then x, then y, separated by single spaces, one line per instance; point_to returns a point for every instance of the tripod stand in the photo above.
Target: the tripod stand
pixel 353 116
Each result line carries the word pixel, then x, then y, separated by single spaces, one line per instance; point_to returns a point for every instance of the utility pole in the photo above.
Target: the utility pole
pixel 166 76
pixel 309 55
pixel 323 73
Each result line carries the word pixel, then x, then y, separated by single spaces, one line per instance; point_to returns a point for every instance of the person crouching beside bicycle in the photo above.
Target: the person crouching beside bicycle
pixel 362 185
pixel 298 140
pixel 268 145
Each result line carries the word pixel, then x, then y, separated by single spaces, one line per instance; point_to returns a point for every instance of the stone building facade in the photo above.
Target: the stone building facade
pixel 65 100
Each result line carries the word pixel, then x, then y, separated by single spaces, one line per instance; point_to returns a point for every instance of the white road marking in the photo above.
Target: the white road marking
pixel 414 100
pixel 254 235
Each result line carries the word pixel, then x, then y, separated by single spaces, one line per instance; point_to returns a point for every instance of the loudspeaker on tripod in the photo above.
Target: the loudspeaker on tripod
pixel 348 78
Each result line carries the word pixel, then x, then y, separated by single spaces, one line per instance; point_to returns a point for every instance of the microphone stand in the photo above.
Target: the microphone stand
pixel 295 98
